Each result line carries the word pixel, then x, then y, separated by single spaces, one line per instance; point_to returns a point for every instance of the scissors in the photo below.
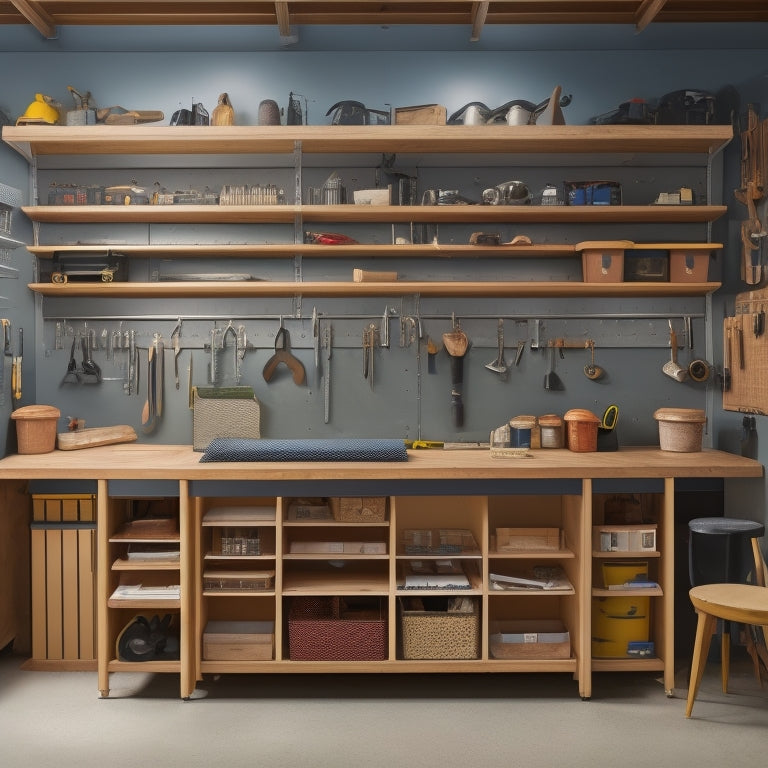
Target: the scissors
pixel 610 417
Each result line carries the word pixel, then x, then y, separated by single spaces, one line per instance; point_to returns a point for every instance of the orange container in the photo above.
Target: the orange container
pixel 582 430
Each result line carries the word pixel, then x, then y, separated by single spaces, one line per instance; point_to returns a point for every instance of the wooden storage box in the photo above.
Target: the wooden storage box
pixel 529 639
pixel 238 581
pixel 239 641
pixel 602 261
pixel 624 538
pixel 688 266
pixel 314 509
pixel 356 509
pixel 433 629
pixel 424 114
pixel 337 629
pixel 582 430
pixel 513 539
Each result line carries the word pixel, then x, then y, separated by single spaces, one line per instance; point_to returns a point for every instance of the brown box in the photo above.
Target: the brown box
pixel 238 581
pixel 688 266
pixel 513 539
pixel 603 260
pixel 529 639
pixel 239 641
pixel 425 114
pixel 356 509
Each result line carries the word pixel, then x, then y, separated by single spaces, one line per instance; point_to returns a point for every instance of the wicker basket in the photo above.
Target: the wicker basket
pixel 36 428
pixel 680 429
pixel 431 631
pixel 337 629
pixel 357 509
pixel 582 430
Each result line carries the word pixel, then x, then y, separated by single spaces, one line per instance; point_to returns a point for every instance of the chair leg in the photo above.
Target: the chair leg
pixel 725 654
pixel 704 630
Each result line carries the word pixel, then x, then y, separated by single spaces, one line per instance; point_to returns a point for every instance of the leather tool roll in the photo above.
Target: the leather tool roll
pixel 224 412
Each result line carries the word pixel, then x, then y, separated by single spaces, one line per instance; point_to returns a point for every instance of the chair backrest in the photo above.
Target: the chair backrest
pixel 761 569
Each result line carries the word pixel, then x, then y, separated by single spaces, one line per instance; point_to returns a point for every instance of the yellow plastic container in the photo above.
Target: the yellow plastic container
pixel 617 621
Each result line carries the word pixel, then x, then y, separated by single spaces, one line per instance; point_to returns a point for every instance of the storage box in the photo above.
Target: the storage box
pixel 646 266
pixel 529 639
pixel 309 510
pixel 617 622
pixel 238 581
pixel 440 627
pixel 239 641
pixel 581 428
pixel 602 261
pixel 424 114
pixel 688 266
pixel 356 509
pixel 680 429
pixel 621 538
pixel 339 547
pixel 513 539
pixel 36 428
pixel 337 629
pixel 593 192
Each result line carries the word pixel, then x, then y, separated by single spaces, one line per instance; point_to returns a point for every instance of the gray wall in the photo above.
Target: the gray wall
pixel 140 71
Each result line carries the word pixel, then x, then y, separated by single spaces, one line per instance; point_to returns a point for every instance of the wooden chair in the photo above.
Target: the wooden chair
pixel 742 603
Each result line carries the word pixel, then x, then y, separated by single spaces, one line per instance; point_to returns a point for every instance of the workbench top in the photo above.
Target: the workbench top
pixel 179 462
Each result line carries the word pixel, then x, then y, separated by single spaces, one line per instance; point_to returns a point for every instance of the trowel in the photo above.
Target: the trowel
pixel 671 367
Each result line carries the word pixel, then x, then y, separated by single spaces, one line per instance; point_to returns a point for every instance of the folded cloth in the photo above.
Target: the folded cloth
pixel 341 449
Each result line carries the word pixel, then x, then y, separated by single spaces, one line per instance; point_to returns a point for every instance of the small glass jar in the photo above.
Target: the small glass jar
pixel 552 432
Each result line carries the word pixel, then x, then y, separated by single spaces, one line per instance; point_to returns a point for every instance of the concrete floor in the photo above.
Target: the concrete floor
pixel 334 721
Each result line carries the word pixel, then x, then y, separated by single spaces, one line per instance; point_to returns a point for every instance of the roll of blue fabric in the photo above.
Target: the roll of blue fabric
pixel 339 449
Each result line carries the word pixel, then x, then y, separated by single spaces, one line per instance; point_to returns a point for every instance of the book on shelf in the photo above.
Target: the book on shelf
pixel 141 592
pixel 547 579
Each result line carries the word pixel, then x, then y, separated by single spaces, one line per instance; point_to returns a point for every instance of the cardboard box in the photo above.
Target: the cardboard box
pixel 602 261
pixel 529 639
pixel 239 641
pixel 688 266
pixel 357 509
pixel 339 547
pixel 513 539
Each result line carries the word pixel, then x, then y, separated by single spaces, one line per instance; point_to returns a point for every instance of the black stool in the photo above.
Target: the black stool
pixel 720 551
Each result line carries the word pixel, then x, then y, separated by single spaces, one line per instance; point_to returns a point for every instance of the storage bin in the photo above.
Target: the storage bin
pixel 552 433
pixel 440 627
pixel 618 538
pixel 680 429
pixel 36 428
pixel 238 581
pixel 529 639
pixel 337 629
pixel 520 431
pixel 688 266
pixel 516 539
pixel 617 622
pixel 602 261
pixel 239 641
pixel 356 509
pixel 582 430
pixel 620 572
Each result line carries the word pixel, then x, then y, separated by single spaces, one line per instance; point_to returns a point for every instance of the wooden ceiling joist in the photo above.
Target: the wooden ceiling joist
pixel 647 12
pixel 38 18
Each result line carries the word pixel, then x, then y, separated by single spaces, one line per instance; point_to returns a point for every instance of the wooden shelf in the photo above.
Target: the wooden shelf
pixel 437 214
pixel 121 564
pixel 34 141
pixel 256 288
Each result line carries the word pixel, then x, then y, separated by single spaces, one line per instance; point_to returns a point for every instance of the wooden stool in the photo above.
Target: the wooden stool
pixel 719 552
pixel 742 603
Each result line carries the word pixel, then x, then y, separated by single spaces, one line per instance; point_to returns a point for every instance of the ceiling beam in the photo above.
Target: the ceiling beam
pixel 283 19
pixel 647 12
pixel 37 17
pixel 479 13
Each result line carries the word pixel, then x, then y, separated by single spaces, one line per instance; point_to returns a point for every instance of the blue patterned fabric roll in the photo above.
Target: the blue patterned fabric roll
pixel 342 449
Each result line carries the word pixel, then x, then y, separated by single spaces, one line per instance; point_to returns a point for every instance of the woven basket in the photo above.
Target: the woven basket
pixel 680 429
pixel 357 509
pixel 582 430
pixel 36 428
pixel 332 629
pixel 438 634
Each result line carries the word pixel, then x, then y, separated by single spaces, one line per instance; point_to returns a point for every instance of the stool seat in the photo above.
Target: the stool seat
pixel 726 526
pixel 742 603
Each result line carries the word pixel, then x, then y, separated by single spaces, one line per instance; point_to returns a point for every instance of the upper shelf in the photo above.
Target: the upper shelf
pixel 36 140
pixel 286 214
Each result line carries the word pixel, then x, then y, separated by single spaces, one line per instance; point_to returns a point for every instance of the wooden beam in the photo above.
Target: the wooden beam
pixel 283 19
pixel 647 12
pixel 37 17
pixel 479 13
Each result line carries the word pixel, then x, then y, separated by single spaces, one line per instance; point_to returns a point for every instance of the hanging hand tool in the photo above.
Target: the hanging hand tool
pixel 148 412
pixel 241 344
pixel 369 344
pixel 72 376
pixel 316 344
pixel 283 355
pixel 159 385
pixel 499 365
pixel 216 342
pixel 456 345
pixel 90 371
pixel 328 344
pixel 432 350
pixel 591 371
pixel 175 341
pixel 16 367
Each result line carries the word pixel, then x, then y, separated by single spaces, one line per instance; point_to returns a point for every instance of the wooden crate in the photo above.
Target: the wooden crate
pixel 239 641
pixel 529 639
pixel 514 539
